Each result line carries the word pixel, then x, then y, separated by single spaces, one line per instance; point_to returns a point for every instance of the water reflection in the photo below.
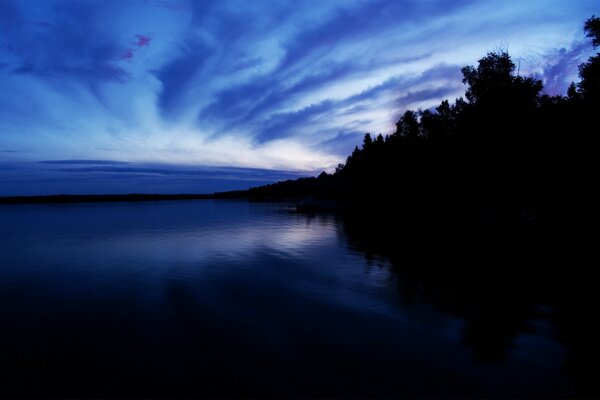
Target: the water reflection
pixel 502 277
pixel 204 298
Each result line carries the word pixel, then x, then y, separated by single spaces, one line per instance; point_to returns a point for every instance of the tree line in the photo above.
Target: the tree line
pixel 505 145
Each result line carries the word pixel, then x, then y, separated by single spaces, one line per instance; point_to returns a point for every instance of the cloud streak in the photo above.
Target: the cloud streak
pixel 84 162
pixel 78 177
pixel 139 42
pixel 561 64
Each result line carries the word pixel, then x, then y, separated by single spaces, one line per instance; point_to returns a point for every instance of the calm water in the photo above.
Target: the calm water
pixel 225 298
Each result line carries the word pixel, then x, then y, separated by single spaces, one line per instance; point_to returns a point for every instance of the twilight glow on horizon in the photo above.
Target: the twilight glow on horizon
pixel 173 96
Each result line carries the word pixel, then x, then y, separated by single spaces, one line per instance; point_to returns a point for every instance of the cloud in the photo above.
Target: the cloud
pixel 561 66
pixel 73 46
pixel 172 5
pixel 284 124
pixel 413 99
pixel 275 103
pixel 9 17
pixel 245 174
pixel 142 40
pixel 176 76
pixel 84 162
pixel 259 102
pixel 44 178
pixel 444 77
pixel 100 72
pixel 127 55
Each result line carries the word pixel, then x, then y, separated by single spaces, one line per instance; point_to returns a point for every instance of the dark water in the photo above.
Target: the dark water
pixel 230 299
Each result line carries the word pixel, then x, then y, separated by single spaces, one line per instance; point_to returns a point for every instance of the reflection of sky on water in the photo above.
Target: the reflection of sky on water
pixel 259 279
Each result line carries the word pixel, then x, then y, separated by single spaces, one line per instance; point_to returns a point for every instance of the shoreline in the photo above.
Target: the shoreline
pixel 99 198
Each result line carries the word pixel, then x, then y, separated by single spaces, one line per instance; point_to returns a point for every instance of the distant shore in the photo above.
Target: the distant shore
pixel 93 198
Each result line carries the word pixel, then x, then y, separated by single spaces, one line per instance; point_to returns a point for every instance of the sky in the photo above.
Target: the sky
pixel 175 96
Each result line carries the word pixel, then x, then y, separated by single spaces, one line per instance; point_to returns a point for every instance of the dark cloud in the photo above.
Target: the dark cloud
pixel 43 179
pixel 176 76
pixel 234 103
pixel 342 141
pixel 399 84
pixel 9 17
pixel 355 109
pixel 206 172
pixel 74 46
pixel 313 80
pixel 100 72
pixel 142 40
pixel 366 20
pixel 253 102
pixel 9 48
pixel 425 95
pixel 246 63
pixel 127 55
pixel 286 124
pixel 85 162
pixel 137 44
pixel 231 31
pixel 172 5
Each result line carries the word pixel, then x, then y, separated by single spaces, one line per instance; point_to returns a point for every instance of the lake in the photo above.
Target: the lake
pixel 214 298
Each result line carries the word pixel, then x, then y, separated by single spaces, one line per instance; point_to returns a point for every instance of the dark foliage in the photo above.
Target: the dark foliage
pixel 592 30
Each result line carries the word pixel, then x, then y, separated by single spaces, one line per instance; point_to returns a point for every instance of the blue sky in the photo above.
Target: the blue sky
pixel 179 96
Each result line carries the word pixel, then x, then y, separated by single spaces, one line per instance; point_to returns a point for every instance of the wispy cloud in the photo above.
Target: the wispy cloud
pixel 84 162
pixel 560 67
pixel 79 177
pixel 142 40
pixel 172 5
pixel 139 42
pixel 127 54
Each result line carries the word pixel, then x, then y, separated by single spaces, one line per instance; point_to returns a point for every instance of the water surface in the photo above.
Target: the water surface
pixel 230 299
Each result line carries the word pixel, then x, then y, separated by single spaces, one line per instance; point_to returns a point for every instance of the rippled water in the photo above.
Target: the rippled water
pixel 227 298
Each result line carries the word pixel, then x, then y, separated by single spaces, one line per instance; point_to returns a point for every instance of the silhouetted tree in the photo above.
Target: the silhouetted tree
pixel 490 80
pixel 408 125
pixel 572 92
pixel 592 30
pixel 589 72
pixel 367 141
pixel 494 83
pixel 502 147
